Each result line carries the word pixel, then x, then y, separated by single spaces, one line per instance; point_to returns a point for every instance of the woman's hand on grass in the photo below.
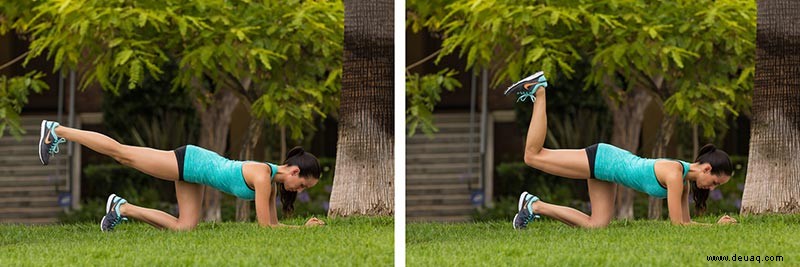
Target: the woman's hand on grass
pixel 314 222
pixel 727 220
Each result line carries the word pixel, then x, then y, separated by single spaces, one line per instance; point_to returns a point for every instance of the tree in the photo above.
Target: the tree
pixel 679 54
pixel 286 69
pixel 773 172
pixel 13 96
pixel 299 90
pixel 364 177
pixel 14 90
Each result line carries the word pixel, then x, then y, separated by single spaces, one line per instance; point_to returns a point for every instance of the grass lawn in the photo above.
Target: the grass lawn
pixel 343 242
pixel 623 243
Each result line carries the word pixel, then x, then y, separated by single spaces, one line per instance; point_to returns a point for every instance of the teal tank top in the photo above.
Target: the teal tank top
pixel 206 167
pixel 620 166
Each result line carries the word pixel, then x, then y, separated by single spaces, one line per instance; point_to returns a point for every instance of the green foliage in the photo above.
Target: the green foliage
pixel 422 94
pixel 284 57
pixel 352 241
pixel 151 116
pixel 697 57
pixel 13 96
pixel 307 84
pixel 624 243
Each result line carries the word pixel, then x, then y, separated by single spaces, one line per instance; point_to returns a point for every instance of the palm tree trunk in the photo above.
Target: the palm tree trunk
pixel 773 171
pixel 364 176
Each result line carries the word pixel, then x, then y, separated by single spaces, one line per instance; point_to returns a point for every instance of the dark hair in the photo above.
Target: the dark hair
pixel 309 168
pixel 720 164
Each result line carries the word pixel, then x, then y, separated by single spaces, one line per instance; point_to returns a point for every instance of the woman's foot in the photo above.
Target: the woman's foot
pixel 526 88
pixel 113 215
pixel 48 141
pixel 525 214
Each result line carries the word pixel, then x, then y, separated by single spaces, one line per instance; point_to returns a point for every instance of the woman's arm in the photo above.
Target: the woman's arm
pixel 273 212
pixel 678 212
pixel 267 213
pixel 264 206
pixel 685 203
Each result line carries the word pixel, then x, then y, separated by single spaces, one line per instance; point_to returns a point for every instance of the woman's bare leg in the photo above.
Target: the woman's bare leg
pixel 601 195
pixel 190 199
pixel 158 163
pixel 570 163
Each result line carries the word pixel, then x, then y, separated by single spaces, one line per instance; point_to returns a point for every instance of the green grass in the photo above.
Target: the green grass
pixel 623 243
pixel 343 242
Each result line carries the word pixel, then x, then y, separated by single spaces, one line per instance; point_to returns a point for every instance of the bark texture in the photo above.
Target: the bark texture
pixel 773 171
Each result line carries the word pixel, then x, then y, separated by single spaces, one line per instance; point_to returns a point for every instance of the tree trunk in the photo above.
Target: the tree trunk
pixel 215 120
pixel 249 144
pixel 665 131
pixel 628 115
pixel 773 171
pixel 364 175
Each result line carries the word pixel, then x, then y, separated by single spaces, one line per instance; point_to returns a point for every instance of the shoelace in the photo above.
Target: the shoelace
pixel 525 94
pixel 54 146
pixel 530 93
pixel 117 221
pixel 531 216
pixel 119 217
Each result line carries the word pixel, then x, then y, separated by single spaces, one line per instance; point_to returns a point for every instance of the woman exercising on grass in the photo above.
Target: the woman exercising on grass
pixel 603 166
pixel 191 167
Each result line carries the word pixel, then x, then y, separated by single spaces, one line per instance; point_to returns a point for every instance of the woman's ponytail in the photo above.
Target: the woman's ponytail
pixel 309 169
pixel 720 164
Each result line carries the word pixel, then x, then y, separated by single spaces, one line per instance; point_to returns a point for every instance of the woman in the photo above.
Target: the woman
pixel 604 166
pixel 191 167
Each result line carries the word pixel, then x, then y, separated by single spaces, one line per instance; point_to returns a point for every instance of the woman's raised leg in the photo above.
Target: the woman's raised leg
pixel 158 163
pixel 190 200
pixel 570 163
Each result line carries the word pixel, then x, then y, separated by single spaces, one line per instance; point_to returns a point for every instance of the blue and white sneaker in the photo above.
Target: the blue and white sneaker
pixel 113 216
pixel 525 214
pixel 523 87
pixel 48 141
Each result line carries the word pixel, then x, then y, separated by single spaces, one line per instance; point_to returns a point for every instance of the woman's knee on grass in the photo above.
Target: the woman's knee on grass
pixel 184 227
pixel 186 224
pixel 597 223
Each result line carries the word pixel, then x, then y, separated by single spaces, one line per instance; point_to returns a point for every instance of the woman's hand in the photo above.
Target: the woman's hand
pixel 314 222
pixel 727 220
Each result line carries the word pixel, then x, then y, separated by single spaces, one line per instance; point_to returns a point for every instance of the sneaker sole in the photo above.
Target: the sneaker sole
pixel 521 200
pixel 514 220
pixel 529 78
pixel 101 223
pixel 108 203
pixel 108 207
pixel 41 139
